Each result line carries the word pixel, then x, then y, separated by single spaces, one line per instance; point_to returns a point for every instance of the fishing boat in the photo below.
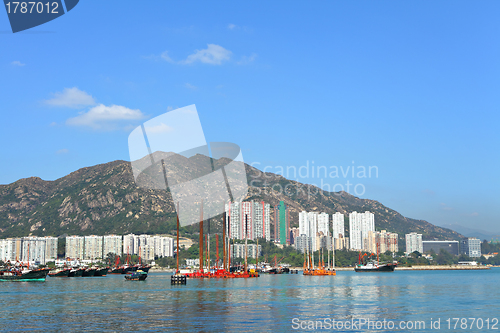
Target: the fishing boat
pixel 116 270
pixel 373 265
pixel 103 271
pixel 137 276
pixel 63 272
pixel 15 274
pixel 89 272
pixel 76 272
pixel 321 270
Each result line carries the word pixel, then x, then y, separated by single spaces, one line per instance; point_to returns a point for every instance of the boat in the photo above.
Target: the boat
pixel 375 266
pixel 116 270
pixel 60 272
pixel 136 276
pixel 76 272
pixel 103 271
pixel 321 270
pixel 89 272
pixel 24 275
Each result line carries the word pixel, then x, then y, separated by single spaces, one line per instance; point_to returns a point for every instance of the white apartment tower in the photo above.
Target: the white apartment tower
pixel 338 225
pixel 112 244
pixel 93 247
pixel 359 226
pixel 75 247
pixel 414 243
pixel 324 224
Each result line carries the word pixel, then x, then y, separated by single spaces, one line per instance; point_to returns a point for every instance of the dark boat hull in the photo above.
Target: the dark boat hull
pixel 118 270
pixel 76 273
pixel 136 277
pixel 129 269
pixel 63 273
pixel 382 268
pixel 101 272
pixel 89 272
pixel 34 275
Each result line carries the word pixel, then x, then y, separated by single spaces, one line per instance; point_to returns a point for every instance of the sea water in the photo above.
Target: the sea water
pixel 423 301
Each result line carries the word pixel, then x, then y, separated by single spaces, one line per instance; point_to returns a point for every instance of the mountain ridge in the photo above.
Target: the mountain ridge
pixel 104 199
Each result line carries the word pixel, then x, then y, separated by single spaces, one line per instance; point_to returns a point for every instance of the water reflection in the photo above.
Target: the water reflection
pixel 264 304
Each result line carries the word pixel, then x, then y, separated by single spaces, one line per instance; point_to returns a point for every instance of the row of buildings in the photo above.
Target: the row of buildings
pixel 470 246
pixel 314 233
pixel 97 247
pixel 38 250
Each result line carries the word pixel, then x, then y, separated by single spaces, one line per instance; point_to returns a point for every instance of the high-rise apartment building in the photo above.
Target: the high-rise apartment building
pixel 251 219
pixel 75 247
pixel 282 224
pixel 324 224
pixel 414 243
pixel 93 247
pixel 338 225
pixel 112 244
pixel 359 226
pixel 471 247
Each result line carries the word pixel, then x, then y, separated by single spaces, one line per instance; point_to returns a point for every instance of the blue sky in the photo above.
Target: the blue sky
pixel 411 88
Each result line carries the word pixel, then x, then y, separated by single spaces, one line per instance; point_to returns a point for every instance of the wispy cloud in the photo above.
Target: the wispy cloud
pixel 213 55
pixel 231 26
pixel 428 191
pixel 62 151
pixel 71 98
pixel 161 128
pixel 445 206
pixel 17 63
pixel 105 117
pixel 245 60
pixel 190 86
pixel 474 214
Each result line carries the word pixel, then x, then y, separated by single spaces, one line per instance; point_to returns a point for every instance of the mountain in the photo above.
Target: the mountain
pixel 478 233
pixel 104 199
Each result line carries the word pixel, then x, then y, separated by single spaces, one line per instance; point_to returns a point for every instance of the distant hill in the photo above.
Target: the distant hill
pixel 478 233
pixel 104 199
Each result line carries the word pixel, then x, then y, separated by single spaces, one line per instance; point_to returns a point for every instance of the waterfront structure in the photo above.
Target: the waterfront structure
pixel 471 247
pixel 238 250
pixel 382 241
pixel 451 246
pixel 112 244
pixel 359 226
pixel 338 225
pixel 75 247
pixel 414 243
pixel 93 247
pixel 282 224
pixel 249 218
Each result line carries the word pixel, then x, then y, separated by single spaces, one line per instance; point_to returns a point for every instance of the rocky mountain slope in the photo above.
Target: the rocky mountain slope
pixel 104 199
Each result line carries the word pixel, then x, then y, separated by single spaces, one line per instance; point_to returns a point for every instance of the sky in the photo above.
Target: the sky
pixel 410 89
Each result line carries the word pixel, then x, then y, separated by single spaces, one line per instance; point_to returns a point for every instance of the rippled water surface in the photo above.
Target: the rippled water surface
pixel 267 303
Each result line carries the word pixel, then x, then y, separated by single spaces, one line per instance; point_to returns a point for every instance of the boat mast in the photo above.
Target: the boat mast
pixel 177 270
pixel 217 250
pixel 246 243
pixel 208 245
pixel 201 237
pixel 229 244
pixel 224 239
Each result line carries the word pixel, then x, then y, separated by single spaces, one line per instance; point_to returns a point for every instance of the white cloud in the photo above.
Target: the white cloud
pixel 17 63
pixel 72 98
pixel 190 86
pixel 445 207
pixel 62 151
pixel 161 128
pixel 231 26
pixel 245 60
pixel 213 55
pixel 105 117
pixel 166 57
